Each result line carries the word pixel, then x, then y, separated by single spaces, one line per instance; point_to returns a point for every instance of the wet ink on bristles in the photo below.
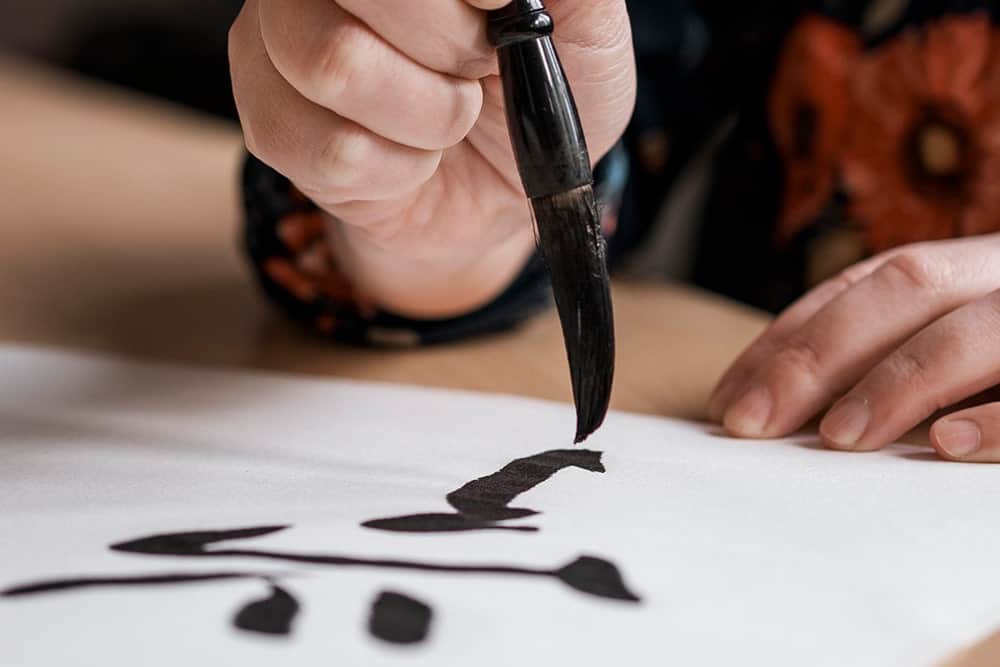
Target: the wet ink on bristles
pixel 555 167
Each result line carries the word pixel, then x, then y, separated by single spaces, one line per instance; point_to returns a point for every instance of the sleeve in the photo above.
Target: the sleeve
pixel 285 239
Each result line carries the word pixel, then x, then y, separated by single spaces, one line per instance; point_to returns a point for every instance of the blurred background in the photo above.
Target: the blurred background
pixel 174 49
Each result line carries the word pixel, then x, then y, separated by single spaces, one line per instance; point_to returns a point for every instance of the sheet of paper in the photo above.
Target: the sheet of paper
pixel 772 553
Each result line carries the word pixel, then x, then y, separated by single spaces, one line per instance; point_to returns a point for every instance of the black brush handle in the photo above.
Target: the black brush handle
pixel 542 117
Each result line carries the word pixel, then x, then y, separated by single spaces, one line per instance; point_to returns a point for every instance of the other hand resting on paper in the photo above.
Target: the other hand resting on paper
pixel 889 342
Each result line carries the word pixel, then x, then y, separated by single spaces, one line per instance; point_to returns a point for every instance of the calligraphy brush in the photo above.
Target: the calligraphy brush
pixel 554 163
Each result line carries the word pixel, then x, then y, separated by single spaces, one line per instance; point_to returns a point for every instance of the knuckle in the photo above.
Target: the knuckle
pixel 852 275
pixel 913 269
pixel 260 135
pixel 844 280
pixel 340 160
pixel 800 357
pixel 910 373
pixel 343 53
pixel 256 135
pixel 259 140
pixel 910 366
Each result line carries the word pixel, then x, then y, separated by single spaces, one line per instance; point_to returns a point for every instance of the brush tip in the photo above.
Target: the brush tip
pixel 568 226
pixel 588 423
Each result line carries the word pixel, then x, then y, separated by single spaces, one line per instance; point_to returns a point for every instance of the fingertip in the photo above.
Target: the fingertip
pixel 846 424
pixel 969 435
pixel 958 439
pixel 749 416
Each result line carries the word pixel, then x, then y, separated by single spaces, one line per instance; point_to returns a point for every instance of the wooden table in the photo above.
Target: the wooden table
pixel 120 224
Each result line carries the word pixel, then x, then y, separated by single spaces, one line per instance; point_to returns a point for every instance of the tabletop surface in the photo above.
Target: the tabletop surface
pixel 120 219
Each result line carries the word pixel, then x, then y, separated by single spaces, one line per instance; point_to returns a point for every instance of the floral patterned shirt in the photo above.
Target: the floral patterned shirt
pixel 861 126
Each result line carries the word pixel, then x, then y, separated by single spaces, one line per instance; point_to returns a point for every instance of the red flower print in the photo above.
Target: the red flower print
pixel 922 160
pixel 809 110
pixel 312 272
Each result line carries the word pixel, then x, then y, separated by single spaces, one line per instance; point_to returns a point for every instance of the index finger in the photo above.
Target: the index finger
pixel 731 385
pixel 948 361
pixel 447 36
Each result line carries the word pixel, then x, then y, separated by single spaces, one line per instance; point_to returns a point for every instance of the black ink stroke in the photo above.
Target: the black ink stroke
pixel 596 576
pixel 191 544
pixel 488 497
pixel 440 523
pixel 586 574
pixel 484 502
pixel 56 585
pixel 399 619
pixel 272 615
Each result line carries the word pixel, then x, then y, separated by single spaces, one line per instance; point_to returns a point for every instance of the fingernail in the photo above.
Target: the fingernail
pixel 750 414
pixel 846 424
pixel 960 438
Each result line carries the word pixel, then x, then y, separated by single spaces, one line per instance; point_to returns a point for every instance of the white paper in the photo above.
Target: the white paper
pixel 772 553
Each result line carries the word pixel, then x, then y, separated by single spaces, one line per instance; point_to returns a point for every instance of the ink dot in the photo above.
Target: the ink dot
pixel 399 619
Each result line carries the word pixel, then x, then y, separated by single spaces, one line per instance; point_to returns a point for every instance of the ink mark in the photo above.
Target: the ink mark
pixel 440 523
pixel 597 577
pixel 589 575
pixel 484 502
pixel 398 619
pixel 190 544
pixel 54 585
pixel 272 615
pixel 488 497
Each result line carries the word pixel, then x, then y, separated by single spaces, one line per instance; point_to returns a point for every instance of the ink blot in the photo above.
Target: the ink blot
pixel 485 501
pixel 272 615
pixel 597 577
pixel 398 619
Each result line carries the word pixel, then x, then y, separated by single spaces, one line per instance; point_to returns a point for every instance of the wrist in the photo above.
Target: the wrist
pixel 424 282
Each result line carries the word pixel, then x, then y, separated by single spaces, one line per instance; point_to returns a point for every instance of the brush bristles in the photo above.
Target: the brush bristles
pixel 568 229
